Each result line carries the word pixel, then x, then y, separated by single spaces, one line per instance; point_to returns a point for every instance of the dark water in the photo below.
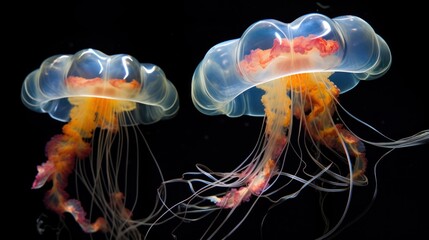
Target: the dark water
pixel 176 37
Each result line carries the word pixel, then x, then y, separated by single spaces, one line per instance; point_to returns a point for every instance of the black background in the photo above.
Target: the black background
pixel 175 36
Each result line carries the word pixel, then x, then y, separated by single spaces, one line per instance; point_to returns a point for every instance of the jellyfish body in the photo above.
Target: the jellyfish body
pixel 292 75
pixel 91 91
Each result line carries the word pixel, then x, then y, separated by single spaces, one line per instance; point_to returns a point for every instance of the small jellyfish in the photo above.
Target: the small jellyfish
pixel 292 76
pixel 102 99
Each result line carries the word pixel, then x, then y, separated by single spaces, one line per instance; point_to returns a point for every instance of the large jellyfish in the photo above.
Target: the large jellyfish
pixel 292 76
pixel 102 99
